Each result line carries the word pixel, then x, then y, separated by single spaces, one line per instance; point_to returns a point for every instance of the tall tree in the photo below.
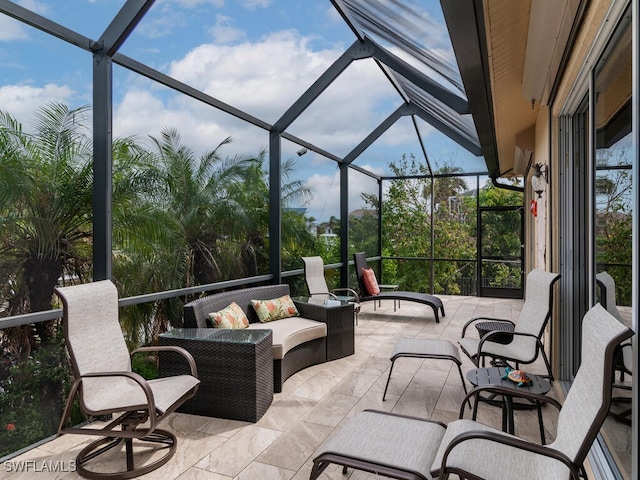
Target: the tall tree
pixel 46 204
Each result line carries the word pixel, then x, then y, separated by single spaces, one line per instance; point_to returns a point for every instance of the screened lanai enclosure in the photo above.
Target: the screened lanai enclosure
pixel 186 147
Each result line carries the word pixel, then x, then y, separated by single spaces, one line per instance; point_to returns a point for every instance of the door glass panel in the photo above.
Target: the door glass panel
pixel 501 252
pixel 612 216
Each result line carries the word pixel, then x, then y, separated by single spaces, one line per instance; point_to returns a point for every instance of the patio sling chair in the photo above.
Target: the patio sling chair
pixel 366 295
pixel 104 384
pixel 623 364
pixel 420 449
pixel 317 285
pixel 527 333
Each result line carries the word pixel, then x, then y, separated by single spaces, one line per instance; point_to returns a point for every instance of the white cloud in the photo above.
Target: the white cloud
pixel 11 29
pixel 224 31
pixel 21 101
pixel 265 78
pixel 35 6
pixel 143 112
pixel 161 21
pixel 253 4
pixel 197 3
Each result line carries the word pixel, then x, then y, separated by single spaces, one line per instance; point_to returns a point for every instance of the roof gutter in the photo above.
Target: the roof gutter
pixel 505 186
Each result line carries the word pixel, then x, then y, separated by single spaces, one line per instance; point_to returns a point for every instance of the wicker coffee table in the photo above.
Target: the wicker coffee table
pixel 235 368
pixel 338 315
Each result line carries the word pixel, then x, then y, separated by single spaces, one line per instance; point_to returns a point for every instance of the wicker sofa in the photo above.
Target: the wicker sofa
pixel 298 342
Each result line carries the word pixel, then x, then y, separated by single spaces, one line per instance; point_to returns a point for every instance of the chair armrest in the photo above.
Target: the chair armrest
pixel 515 334
pixel 484 319
pixel 171 348
pixel 322 293
pixel 350 290
pixel 144 385
pixel 510 441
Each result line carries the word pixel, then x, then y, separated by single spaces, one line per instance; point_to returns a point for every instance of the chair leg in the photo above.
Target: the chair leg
pixel 388 378
pixel 547 363
pixel 464 385
pixel 96 448
pixel 541 424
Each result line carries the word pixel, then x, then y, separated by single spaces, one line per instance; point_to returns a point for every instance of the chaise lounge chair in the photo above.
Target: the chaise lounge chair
pixel 405 447
pixel 360 260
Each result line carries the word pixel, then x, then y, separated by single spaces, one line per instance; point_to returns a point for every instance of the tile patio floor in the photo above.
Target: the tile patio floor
pixel 314 401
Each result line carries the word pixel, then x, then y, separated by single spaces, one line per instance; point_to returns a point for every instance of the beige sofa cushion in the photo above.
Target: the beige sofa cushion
pixel 291 332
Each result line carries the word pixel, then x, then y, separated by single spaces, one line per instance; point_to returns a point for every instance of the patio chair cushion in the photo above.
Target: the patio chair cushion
pixel 229 317
pixel 291 332
pixel 382 439
pixel 489 459
pixel 275 309
pixel 125 394
pixel 370 281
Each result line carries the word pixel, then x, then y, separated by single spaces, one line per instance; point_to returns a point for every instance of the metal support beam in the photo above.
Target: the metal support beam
pixel 310 146
pixel 356 51
pixel 380 193
pixel 449 132
pixel 122 25
pixel 418 78
pixel 275 210
pixel 422 147
pixel 379 130
pixel 344 224
pixel 102 167
pixel 346 15
pixel 45 25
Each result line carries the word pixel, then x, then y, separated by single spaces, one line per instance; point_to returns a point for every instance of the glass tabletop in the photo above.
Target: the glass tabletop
pixel 218 334
pixel 339 301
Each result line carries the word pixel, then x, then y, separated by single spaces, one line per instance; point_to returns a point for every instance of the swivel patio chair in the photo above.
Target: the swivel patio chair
pixel 405 447
pixel 526 342
pixel 105 385
pixel 360 261
pixel 317 284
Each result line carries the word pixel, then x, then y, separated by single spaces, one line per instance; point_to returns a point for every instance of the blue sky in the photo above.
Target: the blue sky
pixel 257 55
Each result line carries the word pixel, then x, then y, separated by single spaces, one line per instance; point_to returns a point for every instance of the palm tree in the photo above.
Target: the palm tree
pixel 197 205
pixel 252 229
pixel 447 185
pixel 46 204
pixel 178 231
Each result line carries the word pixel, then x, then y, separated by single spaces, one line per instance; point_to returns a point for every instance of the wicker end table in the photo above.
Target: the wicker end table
pixel 338 315
pixel 235 368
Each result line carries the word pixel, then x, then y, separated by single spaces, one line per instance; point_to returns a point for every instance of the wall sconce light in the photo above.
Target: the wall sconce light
pixel 302 151
pixel 539 178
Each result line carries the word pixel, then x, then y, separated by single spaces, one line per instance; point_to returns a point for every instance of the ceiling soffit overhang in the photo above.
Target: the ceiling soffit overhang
pixel 466 26
pixel 523 47
pixel 551 24
pixel 506 24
